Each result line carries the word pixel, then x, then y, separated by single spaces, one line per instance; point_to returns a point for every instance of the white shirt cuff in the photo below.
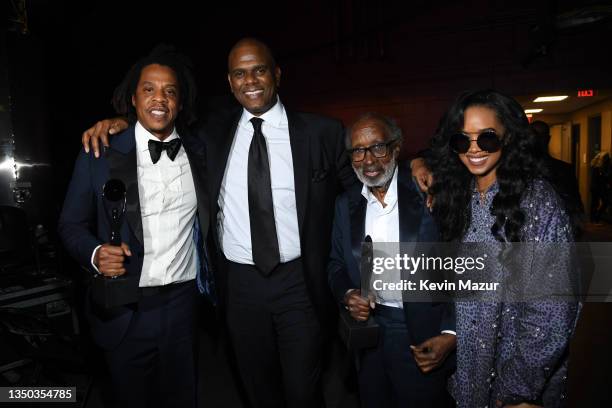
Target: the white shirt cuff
pixel 93 255
pixel 454 333
pixel 346 293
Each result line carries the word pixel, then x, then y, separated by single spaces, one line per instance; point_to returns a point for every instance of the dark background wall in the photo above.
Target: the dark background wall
pixel 406 59
pixel 339 57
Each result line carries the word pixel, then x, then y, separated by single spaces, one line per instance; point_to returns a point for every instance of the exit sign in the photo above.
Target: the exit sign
pixel 586 93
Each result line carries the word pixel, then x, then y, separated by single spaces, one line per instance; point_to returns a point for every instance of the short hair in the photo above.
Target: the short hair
pixel 540 127
pixel 542 135
pixel 165 55
pixel 392 131
pixel 256 42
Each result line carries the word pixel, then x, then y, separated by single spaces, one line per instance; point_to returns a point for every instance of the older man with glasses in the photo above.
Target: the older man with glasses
pixel 415 352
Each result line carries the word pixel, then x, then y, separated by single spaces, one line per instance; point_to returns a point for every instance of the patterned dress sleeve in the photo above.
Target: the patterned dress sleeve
pixel 533 349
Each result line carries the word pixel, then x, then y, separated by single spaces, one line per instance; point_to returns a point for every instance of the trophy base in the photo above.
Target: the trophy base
pixel 113 292
pixel 357 335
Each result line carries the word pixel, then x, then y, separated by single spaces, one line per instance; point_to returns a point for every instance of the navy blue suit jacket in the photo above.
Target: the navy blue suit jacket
pixel 83 223
pixel 424 320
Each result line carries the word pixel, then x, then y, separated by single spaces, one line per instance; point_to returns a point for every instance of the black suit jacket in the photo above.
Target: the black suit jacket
pixel 424 319
pixel 561 176
pixel 321 170
pixel 83 223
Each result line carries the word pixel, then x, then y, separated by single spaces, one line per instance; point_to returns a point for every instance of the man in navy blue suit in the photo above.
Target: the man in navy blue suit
pixel 414 356
pixel 273 176
pixel 149 345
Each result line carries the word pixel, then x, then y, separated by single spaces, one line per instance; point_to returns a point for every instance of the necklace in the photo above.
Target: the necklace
pixel 483 196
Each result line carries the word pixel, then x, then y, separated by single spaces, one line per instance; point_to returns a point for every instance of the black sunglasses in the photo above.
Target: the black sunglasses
pixel 487 141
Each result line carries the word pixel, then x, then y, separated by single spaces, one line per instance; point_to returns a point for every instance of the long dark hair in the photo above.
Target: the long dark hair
pixel 517 167
pixel 165 55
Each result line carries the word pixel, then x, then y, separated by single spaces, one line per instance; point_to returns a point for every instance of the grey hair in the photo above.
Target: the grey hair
pixel 392 131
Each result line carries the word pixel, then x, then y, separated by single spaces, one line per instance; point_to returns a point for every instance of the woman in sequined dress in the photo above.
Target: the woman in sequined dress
pixel 488 188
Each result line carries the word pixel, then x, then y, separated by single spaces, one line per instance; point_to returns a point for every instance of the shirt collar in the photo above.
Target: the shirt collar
pixel 143 136
pixel 390 197
pixel 491 191
pixel 275 116
pixel 488 195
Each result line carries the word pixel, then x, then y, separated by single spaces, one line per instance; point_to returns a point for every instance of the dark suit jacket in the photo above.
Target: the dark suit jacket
pixel 424 320
pixel 321 169
pixel 561 176
pixel 83 223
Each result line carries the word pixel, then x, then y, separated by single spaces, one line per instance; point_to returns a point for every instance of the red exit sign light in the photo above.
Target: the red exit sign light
pixel 586 93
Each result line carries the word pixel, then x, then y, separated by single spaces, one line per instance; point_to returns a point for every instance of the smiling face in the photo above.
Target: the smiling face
pixel 156 100
pixel 252 76
pixel 373 171
pixel 480 163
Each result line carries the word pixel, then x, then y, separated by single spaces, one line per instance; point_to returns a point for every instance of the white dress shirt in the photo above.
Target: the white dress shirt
pixel 168 207
pixel 382 225
pixel 233 220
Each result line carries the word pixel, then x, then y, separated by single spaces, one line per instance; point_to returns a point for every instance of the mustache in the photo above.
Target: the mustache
pixel 386 172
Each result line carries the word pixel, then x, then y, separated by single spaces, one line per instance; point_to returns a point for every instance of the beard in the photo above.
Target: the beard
pixel 382 179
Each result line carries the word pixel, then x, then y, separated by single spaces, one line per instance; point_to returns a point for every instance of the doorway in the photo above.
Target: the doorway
pixel 594 129
pixel 575 149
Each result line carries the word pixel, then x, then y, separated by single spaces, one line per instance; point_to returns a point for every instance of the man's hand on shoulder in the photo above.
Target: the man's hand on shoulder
pixel 109 259
pixel 423 176
pixel 421 173
pixel 99 132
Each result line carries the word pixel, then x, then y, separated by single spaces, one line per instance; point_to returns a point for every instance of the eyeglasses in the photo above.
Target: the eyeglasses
pixel 378 150
pixel 487 141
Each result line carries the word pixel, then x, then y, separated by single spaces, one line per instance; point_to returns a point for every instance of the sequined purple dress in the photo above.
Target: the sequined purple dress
pixel 515 351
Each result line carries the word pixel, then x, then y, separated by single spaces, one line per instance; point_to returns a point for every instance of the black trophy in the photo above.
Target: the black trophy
pixel 114 198
pixel 358 335
pixel 114 291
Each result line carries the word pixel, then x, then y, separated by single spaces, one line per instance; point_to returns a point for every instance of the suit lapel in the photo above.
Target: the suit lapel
pixel 197 162
pixel 300 153
pixel 357 216
pixel 409 206
pixel 223 146
pixel 121 157
pixel 411 211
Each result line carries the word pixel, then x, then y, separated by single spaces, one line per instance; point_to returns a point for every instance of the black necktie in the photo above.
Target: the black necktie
pixel 264 241
pixel 172 147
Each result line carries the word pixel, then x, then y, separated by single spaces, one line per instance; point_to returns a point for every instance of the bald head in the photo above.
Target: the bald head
pixel 252 43
pixel 253 75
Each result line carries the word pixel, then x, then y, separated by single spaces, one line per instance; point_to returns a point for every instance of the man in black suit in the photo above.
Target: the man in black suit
pixel 149 344
pixel 273 176
pixel 559 173
pixel 273 230
pixel 413 359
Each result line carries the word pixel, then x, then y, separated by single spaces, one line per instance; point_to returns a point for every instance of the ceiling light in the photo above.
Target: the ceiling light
pixel 533 110
pixel 550 98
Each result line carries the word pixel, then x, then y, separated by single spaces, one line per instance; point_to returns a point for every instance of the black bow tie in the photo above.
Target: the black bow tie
pixel 172 147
